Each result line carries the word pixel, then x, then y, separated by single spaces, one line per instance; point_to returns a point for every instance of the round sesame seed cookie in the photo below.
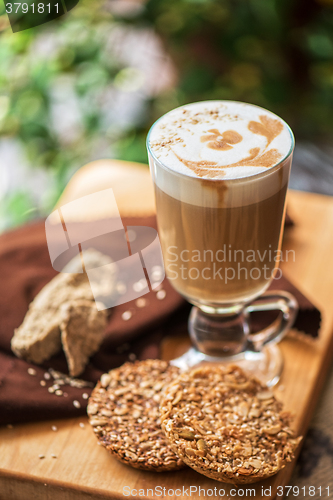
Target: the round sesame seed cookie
pixel 226 425
pixel 124 412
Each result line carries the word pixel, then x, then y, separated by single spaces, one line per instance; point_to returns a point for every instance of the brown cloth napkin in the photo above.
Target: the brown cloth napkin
pixel 25 268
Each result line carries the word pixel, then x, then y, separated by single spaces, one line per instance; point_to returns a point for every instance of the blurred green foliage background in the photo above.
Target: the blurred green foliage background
pixel 274 53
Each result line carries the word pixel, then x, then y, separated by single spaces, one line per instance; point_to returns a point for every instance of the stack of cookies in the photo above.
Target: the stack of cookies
pixel 218 420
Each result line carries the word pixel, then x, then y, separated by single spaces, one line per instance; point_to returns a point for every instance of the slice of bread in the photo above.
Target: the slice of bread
pixel 39 336
pixel 82 329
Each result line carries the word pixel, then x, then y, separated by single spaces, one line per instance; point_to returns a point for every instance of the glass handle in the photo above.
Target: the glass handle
pixel 286 304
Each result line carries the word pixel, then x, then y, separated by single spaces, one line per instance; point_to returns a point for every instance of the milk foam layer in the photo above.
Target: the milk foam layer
pixel 220 140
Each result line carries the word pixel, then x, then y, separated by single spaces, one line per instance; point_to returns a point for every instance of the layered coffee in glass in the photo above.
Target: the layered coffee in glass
pixel 221 171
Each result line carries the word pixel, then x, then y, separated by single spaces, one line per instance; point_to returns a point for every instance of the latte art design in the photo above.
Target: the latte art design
pixel 267 127
pixel 220 139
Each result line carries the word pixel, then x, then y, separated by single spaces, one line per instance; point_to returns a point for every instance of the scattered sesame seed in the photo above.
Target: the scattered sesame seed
pixel 41 456
pixel 32 372
pixel 126 315
pixel 56 387
pixel 58 392
pixel 53 455
pixel 76 404
pixel 161 294
pixel 47 376
pixel 81 424
pixel 54 428
pixel 157 273
pixel 132 356
pixel 141 302
pixel 121 288
pixel 140 285
pixel 51 389
pixel 85 395
pixel 65 394
pixel 42 383
pixel 131 235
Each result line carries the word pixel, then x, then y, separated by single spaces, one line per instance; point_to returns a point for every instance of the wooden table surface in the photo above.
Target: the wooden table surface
pixel 84 470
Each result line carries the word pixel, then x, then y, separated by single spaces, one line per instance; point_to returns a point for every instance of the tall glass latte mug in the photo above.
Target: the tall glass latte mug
pixel 221 171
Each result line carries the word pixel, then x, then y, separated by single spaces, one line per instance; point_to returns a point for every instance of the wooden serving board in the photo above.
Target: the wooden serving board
pixel 83 470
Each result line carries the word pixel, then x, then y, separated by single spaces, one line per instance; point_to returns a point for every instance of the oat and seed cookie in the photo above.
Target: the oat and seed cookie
pixel 226 425
pixel 124 413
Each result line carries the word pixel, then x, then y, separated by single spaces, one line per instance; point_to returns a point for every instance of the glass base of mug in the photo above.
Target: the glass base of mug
pixel 226 337
pixel 266 365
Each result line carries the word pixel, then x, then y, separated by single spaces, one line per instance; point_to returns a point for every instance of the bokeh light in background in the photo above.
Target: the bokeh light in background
pixel 90 84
